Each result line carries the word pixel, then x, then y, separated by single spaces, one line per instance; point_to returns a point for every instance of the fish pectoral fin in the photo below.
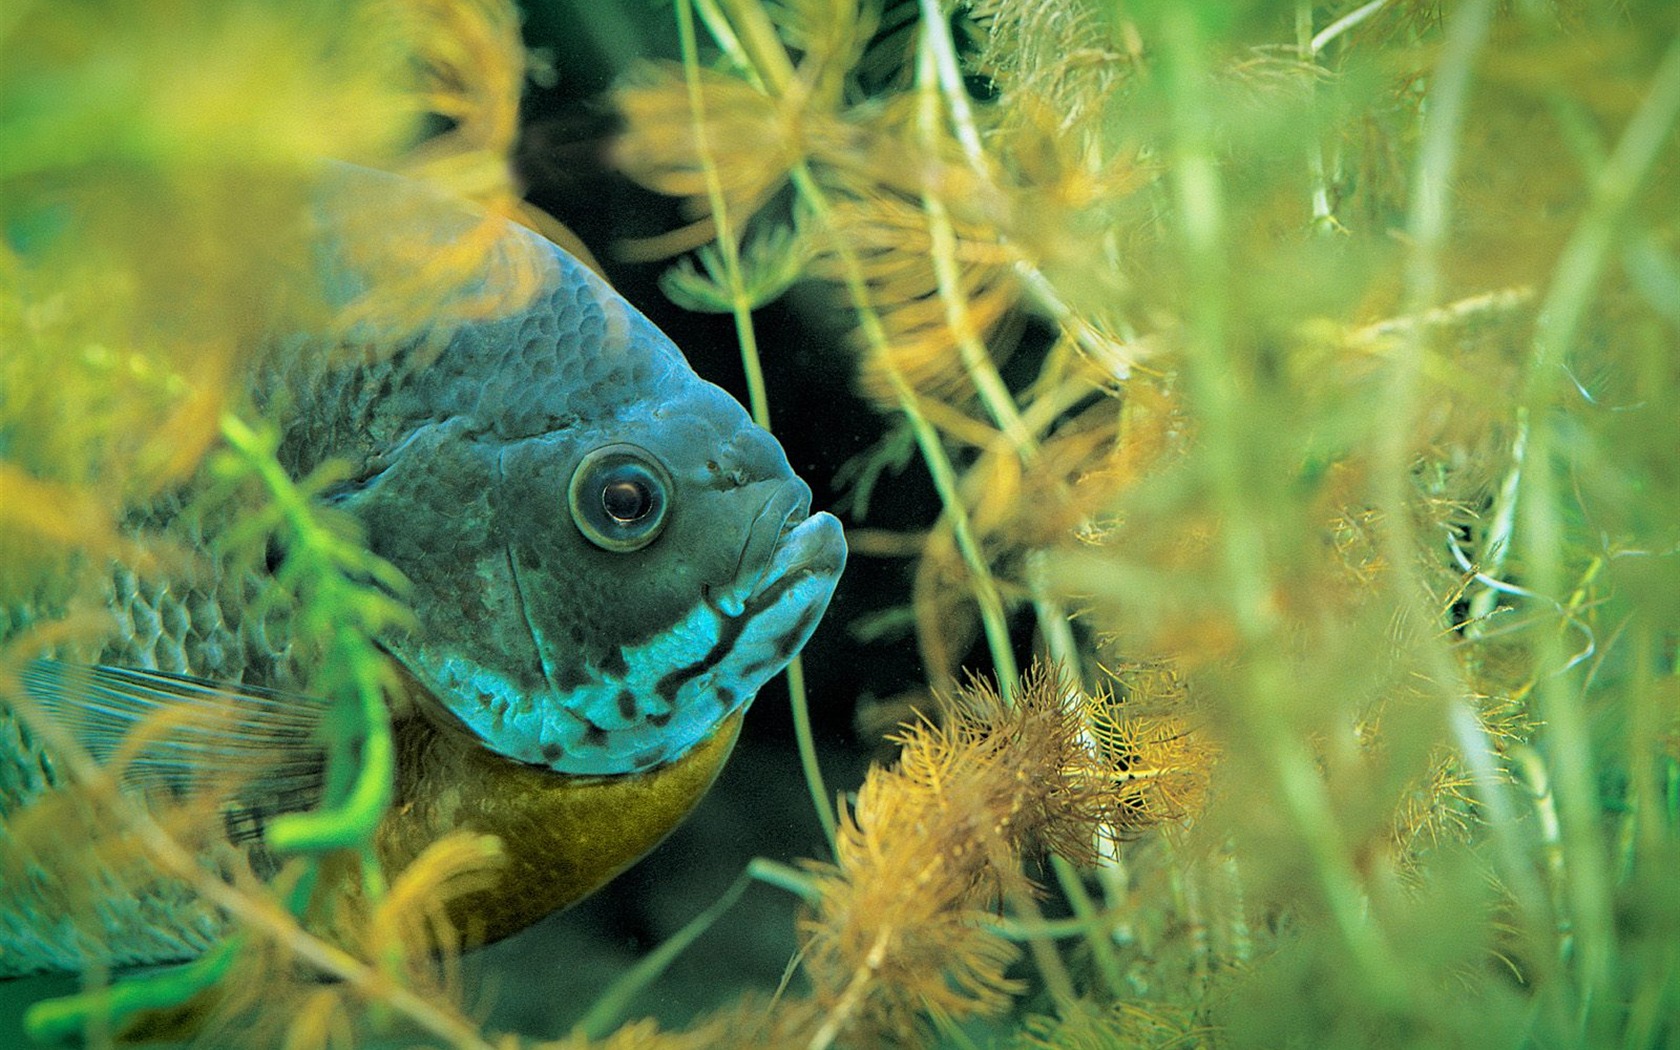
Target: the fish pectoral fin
pixel 258 751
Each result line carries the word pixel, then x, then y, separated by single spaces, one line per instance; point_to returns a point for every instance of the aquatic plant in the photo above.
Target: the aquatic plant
pixel 1318 279
pixel 1299 378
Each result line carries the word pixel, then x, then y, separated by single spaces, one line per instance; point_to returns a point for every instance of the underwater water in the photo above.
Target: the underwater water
pixel 1254 427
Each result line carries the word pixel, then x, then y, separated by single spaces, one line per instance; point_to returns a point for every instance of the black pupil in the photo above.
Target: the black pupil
pixel 626 500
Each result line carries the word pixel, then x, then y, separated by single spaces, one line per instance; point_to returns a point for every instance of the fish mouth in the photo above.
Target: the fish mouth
pixel 814 546
pixel 780 540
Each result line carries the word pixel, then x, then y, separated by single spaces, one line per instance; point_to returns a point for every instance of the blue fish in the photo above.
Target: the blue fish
pixel 608 560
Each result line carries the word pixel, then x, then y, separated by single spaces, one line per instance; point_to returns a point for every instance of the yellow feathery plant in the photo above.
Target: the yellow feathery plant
pixel 933 843
pixel 903 932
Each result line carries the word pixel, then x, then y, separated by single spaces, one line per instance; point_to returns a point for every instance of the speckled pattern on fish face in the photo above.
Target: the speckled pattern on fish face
pixel 549 647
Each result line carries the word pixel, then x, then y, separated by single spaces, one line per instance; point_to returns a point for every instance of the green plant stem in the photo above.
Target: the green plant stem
pixel 784 877
pixel 1578 133
pixel 747 337
pixel 1014 928
pixel 350 823
pixel 1542 528
pixel 746 34
pixel 1090 922
pixel 938 48
pixel 1324 221
pixel 936 69
pixel 936 39
pixel 807 744
pixel 1343 24
pixel 1057 981
pixel 110 1007
pixel 724 35
pixel 770 64
pixel 944 476
pixel 1428 224
pixel 349 820
pixel 927 438
pixel 1223 416
pixel 727 241
pixel 977 361
pixel 762 48
pixel 609 1008
pixel 1649 834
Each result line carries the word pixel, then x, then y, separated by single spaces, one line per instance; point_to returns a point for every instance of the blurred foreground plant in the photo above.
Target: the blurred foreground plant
pixel 203 128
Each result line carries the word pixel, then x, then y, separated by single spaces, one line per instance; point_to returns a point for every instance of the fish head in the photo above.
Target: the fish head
pixel 609 557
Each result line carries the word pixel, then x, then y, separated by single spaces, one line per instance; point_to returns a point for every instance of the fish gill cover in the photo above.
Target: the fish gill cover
pixel 1299 379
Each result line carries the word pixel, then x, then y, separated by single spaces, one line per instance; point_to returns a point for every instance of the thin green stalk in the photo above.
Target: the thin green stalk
pixel 807 744
pixel 728 244
pixel 351 822
pixel 1324 221
pixel 112 1006
pixel 1057 981
pixel 723 34
pixel 938 48
pixel 1343 24
pixel 762 47
pixel 785 877
pixel 1053 620
pixel 977 362
pixel 767 64
pixel 1590 155
pixel 933 60
pixel 1242 938
pixel 349 819
pixel 1496 544
pixel 1014 928
pixel 937 40
pixel 1428 224
pixel 1098 935
pixel 746 335
pixel 609 1009
pixel 944 476
pixel 1198 201
pixel 1561 317
pixel 1585 254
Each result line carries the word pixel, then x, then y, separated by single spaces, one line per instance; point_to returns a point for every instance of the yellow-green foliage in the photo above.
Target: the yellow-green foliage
pixel 1377 306
pixel 1347 479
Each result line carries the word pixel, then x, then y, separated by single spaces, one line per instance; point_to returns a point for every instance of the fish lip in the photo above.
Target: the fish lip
pixel 786 510
pixel 815 546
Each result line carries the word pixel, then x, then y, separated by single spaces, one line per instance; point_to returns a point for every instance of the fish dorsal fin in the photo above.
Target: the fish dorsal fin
pixel 260 750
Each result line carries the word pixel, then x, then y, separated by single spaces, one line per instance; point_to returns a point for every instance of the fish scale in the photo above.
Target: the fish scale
pixel 574 680
pixel 191 624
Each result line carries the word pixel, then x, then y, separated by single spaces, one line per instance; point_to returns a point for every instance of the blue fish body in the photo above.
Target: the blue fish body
pixel 560 634
pixel 608 560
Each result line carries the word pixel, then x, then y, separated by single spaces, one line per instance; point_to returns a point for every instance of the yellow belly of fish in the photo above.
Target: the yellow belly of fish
pixel 562 836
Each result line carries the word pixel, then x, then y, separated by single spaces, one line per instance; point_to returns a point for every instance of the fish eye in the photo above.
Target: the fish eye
pixel 618 497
